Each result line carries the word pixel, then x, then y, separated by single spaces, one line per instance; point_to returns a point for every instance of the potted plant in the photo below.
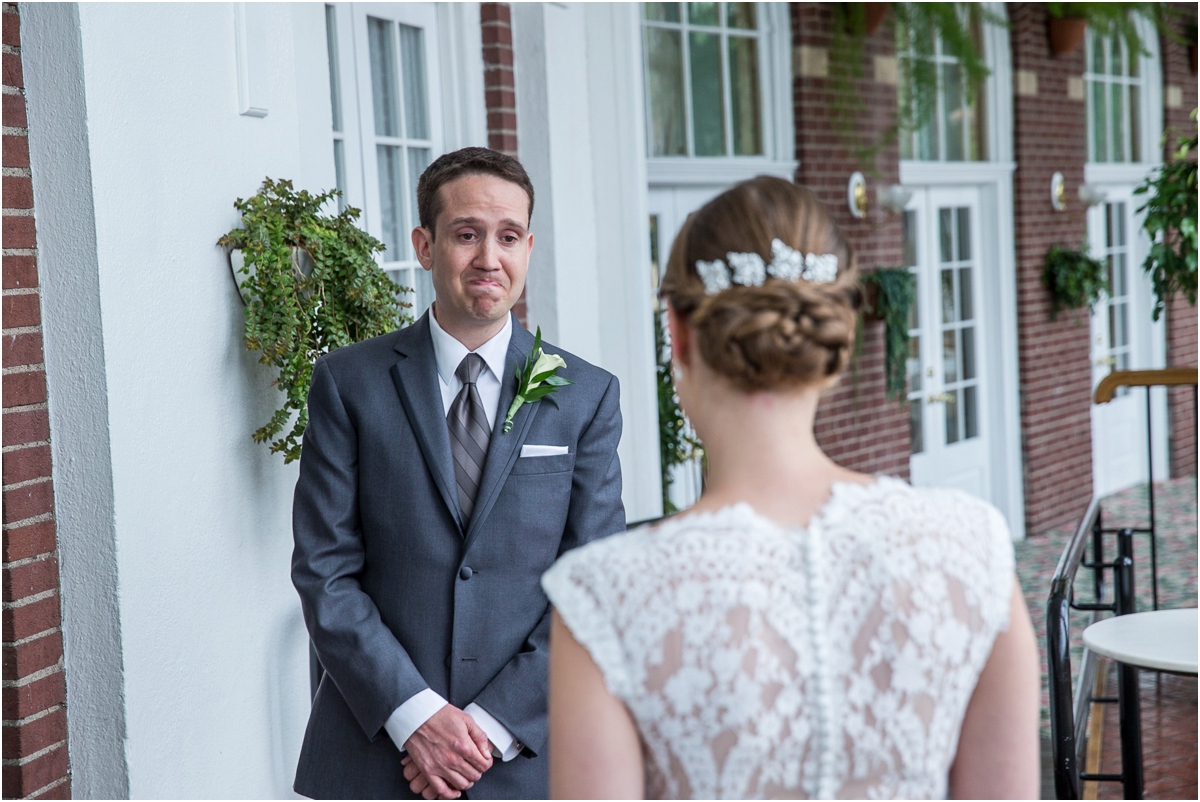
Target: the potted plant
pixel 311 284
pixel 1170 223
pixel 1066 34
pixel 1073 279
pixel 889 294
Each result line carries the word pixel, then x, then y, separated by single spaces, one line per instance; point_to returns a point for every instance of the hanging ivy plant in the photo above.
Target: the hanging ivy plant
pixel 311 284
pixel 1073 279
pixel 890 295
pixel 919 26
pixel 676 446
pixel 1120 19
pixel 1171 225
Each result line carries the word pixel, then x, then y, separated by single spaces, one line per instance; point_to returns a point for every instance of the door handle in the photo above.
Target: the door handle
pixel 941 398
pixel 1107 360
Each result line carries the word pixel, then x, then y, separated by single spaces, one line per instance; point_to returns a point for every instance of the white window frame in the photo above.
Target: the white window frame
pixel 1090 78
pixel 776 103
pixel 939 60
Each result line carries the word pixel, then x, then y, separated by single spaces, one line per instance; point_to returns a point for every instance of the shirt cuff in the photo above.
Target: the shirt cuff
pixel 408 717
pixel 504 745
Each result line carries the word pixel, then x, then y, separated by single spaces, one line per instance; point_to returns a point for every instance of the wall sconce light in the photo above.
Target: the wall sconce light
pixel 1091 195
pixel 856 195
pixel 893 199
pixel 1058 192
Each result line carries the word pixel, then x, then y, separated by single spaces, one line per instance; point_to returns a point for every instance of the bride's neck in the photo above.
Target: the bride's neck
pixel 761 450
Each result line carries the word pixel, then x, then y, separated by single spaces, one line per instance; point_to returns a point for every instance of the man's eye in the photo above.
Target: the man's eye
pixel 467 236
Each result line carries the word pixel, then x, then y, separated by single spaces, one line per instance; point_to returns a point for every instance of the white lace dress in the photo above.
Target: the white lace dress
pixel 832 661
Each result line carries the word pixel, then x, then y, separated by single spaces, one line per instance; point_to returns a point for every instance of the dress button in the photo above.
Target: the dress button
pixel 465 572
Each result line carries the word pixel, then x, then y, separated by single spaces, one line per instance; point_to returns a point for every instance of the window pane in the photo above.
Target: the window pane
pixel 927 139
pixel 1119 214
pixel 968 353
pixel 952 418
pixel 1118 122
pixel 335 87
pixel 418 160
pixel 946 233
pixel 970 417
pixel 953 111
pixel 1135 125
pixel 742 15
pixel 662 12
pixel 948 296
pixel 909 235
pixel 339 171
pixel 743 80
pixel 416 108
pixel 1099 123
pixel 966 306
pixel 664 65
pixel 702 13
pixel 962 216
pixel 915 425
pixel 391 200
pixel 1099 62
pixel 383 77
pixel 949 357
pixel 912 365
pixel 708 108
pixel 1116 62
pixel 1121 287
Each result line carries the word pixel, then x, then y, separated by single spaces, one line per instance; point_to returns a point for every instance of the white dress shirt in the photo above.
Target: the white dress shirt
pixel 449 353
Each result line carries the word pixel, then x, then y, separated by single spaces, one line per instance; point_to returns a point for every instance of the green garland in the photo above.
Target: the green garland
pixel 1171 225
pixel 675 445
pixel 1073 279
pixel 895 293
pixel 294 318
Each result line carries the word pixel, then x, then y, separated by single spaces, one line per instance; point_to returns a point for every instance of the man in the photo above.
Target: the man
pixel 423 523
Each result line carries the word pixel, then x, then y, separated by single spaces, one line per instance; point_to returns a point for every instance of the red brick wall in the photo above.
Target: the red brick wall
pixel 856 424
pixel 1050 134
pixel 35 716
pixel 1181 316
pixel 500 91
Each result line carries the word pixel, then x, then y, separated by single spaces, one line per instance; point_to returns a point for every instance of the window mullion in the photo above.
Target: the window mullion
pixel 685 45
pixel 726 92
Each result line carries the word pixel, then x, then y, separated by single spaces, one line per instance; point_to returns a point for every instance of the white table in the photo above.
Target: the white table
pixel 1162 640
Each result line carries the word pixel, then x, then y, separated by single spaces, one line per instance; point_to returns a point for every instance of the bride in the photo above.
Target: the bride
pixel 804 630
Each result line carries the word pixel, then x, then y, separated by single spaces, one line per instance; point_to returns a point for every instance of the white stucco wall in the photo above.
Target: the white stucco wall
pixel 215 653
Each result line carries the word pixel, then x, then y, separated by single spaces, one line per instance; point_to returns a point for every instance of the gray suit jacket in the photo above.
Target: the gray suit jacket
pixel 381 557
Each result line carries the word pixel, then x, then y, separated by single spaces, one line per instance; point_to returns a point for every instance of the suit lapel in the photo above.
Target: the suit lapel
pixel 416 378
pixel 503 448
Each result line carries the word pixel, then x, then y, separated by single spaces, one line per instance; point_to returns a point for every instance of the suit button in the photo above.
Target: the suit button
pixel 465 572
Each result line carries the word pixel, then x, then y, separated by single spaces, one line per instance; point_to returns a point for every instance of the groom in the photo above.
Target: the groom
pixel 422 524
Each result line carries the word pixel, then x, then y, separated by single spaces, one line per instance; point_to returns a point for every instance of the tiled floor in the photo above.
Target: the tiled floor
pixel 1168 739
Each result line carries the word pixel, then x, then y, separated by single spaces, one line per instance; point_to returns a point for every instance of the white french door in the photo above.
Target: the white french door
pixel 949 382
pixel 1123 335
pixel 669 208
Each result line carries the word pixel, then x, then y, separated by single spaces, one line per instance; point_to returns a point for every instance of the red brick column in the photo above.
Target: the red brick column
pixel 857 424
pixel 1050 135
pixel 500 91
pixel 35 716
pixel 1181 316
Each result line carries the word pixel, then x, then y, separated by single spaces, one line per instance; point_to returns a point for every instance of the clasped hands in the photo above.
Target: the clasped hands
pixel 446 755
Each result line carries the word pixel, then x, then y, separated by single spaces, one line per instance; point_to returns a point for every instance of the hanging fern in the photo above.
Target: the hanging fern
pixel 1073 279
pixel 893 297
pixel 293 315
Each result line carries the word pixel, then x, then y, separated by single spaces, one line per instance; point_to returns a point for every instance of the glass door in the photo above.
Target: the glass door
pixel 947 380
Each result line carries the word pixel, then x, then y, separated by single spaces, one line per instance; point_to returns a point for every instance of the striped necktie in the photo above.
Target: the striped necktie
pixel 469 434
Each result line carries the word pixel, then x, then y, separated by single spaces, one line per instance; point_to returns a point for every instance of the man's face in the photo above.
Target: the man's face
pixel 480 255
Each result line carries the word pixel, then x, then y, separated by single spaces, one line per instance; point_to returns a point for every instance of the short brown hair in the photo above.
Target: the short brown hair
pixel 783 333
pixel 457 164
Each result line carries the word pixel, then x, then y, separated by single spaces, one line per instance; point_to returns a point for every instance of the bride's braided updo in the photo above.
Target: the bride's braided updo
pixel 782 334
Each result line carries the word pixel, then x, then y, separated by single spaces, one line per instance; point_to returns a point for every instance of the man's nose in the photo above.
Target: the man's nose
pixel 487 255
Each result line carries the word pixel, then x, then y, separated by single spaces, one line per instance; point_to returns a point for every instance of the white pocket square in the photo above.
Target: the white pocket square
pixel 542 451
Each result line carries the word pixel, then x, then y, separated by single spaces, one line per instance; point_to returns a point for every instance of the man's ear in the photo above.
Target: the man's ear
pixel 422 242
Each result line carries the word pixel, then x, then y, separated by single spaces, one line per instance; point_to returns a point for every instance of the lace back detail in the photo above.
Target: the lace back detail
pixel 832 661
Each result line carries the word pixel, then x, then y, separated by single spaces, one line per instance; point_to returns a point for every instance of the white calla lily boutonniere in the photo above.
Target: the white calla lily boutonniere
pixel 537 379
